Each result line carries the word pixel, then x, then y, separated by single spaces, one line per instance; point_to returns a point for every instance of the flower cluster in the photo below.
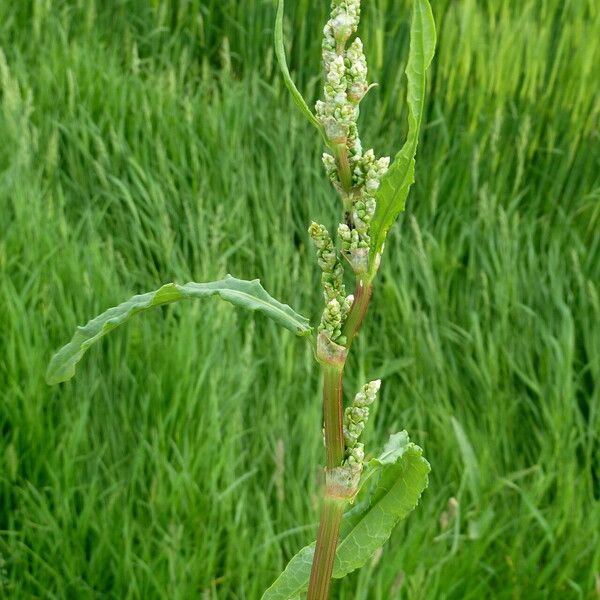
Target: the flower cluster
pixel 345 86
pixel 332 281
pixel 345 75
pixel 355 419
pixel 332 321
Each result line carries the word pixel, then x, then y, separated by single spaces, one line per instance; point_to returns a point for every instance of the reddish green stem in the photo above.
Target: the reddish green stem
pixel 322 566
pixel 362 297
pixel 333 507
pixel 332 414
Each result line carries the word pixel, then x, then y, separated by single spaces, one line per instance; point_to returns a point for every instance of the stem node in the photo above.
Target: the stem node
pixel 329 353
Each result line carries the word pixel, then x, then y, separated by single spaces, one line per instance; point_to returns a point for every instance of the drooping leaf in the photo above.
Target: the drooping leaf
pixel 247 294
pixel 395 185
pixel 280 54
pixel 401 475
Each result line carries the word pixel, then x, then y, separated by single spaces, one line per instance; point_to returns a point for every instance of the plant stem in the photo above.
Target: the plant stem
pixel 343 164
pixel 333 507
pixel 332 414
pixel 362 297
pixel 322 567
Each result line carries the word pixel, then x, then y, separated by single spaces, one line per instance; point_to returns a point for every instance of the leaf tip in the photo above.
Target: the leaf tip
pixel 56 374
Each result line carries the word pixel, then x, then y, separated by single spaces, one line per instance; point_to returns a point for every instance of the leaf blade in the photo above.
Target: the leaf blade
pixel 246 294
pixel 403 475
pixel 395 185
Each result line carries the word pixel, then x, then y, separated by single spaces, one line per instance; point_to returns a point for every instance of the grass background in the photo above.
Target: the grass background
pixel 144 142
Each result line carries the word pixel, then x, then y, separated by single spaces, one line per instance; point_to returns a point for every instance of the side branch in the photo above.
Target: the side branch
pixel 362 298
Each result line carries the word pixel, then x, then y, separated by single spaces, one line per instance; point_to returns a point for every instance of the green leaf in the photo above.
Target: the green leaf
pixel 402 475
pixel 296 95
pixel 247 294
pixel 395 185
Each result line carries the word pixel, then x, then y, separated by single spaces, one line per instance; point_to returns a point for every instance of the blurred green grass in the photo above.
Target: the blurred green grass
pixel 148 142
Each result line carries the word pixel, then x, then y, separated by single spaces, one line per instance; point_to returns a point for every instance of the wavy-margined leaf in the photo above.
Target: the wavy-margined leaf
pixel 247 294
pixel 401 473
pixel 395 185
pixel 280 54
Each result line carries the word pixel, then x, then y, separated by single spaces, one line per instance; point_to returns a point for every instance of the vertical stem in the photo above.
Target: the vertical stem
pixel 322 567
pixel 333 507
pixel 332 414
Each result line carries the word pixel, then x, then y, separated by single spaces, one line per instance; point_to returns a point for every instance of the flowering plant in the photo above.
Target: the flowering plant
pixel 381 490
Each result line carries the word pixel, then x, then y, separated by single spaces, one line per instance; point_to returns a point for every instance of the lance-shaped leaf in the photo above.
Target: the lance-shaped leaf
pixel 401 475
pixel 395 185
pixel 247 294
pixel 296 95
